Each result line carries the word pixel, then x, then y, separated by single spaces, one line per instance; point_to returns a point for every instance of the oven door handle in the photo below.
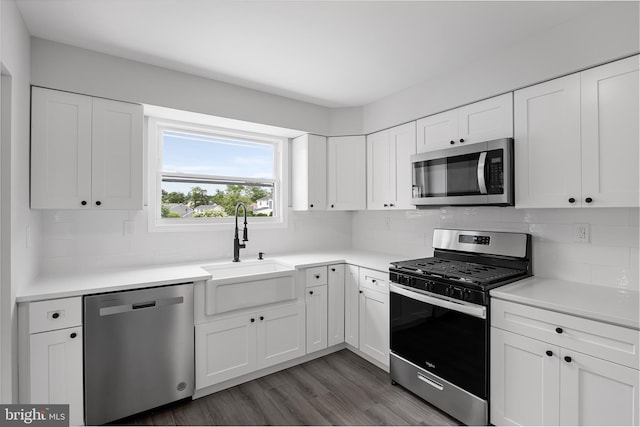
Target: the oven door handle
pixel 482 182
pixel 472 310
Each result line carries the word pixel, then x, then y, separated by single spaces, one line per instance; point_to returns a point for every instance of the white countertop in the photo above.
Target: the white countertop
pixel 602 303
pixel 78 284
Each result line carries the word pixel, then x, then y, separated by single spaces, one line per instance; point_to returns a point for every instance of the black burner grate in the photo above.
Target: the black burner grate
pixel 462 271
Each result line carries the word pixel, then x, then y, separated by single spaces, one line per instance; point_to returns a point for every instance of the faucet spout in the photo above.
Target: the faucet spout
pixel 245 235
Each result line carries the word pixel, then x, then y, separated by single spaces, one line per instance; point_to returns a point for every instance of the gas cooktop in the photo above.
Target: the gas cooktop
pixel 467 264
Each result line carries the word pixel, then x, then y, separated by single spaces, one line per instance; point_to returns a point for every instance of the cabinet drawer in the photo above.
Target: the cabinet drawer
pixel 316 276
pixel 614 343
pixel 55 314
pixel 374 280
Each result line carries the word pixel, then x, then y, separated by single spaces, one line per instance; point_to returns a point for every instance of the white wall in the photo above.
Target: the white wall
pixel 85 240
pixel 24 261
pixel 64 67
pixel 602 35
pixel 610 259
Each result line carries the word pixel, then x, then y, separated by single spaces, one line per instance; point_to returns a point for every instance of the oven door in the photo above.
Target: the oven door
pixel 443 336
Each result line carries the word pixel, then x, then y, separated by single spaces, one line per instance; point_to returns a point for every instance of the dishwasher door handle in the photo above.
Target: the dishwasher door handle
pixel 125 308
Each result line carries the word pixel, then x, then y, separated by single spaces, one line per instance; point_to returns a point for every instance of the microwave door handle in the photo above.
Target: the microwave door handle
pixel 482 182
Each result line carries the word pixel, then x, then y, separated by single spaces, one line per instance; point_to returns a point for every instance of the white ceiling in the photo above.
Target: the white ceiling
pixel 331 53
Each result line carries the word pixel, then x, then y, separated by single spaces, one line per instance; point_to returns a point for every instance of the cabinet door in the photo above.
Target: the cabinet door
pixel 280 335
pixel 317 172
pixel 116 155
pixel 346 174
pixel 316 301
pixel 438 131
pixel 335 296
pixel 309 173
pixel 524 380
pixel 597 392
pixel 225 349
pixel 378 170
pixel 57 372
pixel 547 144
pixel 610 137
pixel 351 304
pixel 374 324
pixel 402 140
pixel 486 120
pixel 60 150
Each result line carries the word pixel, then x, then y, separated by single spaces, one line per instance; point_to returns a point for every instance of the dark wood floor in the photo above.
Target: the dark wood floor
pixel 338 389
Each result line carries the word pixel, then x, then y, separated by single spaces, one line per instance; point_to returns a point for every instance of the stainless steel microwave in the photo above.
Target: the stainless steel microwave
pixel 476 174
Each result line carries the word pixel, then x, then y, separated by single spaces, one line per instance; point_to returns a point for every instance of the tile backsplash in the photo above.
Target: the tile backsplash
pixel 610 258
pixel 77 241
pixel 85 240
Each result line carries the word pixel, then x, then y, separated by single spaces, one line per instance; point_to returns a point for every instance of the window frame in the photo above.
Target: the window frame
pixel 155 128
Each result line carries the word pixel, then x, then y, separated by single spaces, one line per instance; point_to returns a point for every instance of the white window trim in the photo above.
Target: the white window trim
pixel 157 223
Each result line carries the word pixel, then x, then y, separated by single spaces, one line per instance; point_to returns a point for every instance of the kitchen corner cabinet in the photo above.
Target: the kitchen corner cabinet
pixel 374 315
pixel 346 174
pixel 51 367
pixel 389 167
pixel 236 345
pixel 549 368
pixel 309 173
pixel 478 122
pixel 577 139
pixel 86 152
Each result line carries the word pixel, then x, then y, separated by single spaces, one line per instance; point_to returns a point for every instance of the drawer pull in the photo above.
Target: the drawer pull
pixel 73 335
pixel 559 330
pixel 310 292
pixel 430 382
pixel 567 359
pixel 333 269
pixel 549 353
pixel 317 276
pixel 55 315
pixel 373 281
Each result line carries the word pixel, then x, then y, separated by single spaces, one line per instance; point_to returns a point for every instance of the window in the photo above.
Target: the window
pixel 202 173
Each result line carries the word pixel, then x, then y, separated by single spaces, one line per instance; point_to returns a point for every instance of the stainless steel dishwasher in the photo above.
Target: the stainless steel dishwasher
pixel 138 351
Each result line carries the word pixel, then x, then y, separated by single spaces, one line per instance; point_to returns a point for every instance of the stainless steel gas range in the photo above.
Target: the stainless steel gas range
pixel 440 317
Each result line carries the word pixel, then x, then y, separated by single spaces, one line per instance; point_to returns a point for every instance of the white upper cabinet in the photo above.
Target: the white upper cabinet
pixel 116 155
pixel 577 139
pixel 346 175
pixel 438 131
pixel 309 173
pixel 547 144
pixel 610 136
pixel 389 167
pixel 478 122
pixel 486 120
pixel 85 152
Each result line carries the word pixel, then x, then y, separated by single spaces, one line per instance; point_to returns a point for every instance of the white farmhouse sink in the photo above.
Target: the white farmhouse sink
pixel 237 285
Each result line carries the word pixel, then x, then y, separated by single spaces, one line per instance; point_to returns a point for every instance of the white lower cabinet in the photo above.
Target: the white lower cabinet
pixel 56 370
pixel 374 315
pixel 238 345
pixel 51 354
pixel 351 305
pixel 535 382
pixel 316 301
pixel 335 304
pixel 280 335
